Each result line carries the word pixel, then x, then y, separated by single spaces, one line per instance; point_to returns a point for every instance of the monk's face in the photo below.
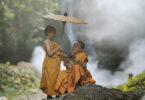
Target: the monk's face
pixel 51 35
pixel 76 48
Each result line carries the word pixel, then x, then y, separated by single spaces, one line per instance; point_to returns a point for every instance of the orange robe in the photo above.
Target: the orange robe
pixel 68 79
pixel 64 81
pixel 79 75
pixel 50 71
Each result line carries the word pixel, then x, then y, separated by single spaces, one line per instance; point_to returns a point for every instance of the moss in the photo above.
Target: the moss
pixel 135 84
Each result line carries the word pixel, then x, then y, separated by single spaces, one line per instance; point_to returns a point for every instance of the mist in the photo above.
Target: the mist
pixel 114 37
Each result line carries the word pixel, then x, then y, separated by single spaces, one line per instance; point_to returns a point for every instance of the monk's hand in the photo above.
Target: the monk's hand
pixel 65 55
pixel 59 48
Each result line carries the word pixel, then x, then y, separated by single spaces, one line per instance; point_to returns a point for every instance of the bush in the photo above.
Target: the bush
pixel 16 80
pixel 135 84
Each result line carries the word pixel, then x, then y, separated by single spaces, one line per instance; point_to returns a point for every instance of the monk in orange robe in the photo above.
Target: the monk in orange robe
pixel 76 75
pixel 51 64
pixel 80 73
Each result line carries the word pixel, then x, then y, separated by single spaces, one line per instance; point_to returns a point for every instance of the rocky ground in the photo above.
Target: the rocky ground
pixel 24 74
pixel 86 92
pixel 97 92
pixel 36 95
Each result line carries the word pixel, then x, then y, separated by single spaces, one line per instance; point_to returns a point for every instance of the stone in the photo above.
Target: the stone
pixel 3 98
pixel 91 91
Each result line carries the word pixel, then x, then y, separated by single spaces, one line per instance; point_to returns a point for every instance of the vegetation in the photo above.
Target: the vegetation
pixel 17 80
pixel 134 84
pixel 21 27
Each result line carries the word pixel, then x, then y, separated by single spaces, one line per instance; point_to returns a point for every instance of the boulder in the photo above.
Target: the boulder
pixel 96 92
pixel 3 98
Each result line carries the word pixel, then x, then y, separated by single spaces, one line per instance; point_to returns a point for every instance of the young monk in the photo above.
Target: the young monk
pixel 51 64
pixel 80 73
pixel 76 75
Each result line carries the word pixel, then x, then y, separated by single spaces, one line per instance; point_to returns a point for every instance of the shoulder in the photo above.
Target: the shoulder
pixel 45 42
pixel 83 53
pixel 48 43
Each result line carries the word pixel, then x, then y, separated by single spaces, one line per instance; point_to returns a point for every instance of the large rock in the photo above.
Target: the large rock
pixel 24 64
pixel 36 95
pixel 97 92
pixel 143 98
pixel 3 98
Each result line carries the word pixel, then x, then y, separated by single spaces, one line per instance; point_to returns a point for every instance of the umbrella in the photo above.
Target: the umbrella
pixel 65 19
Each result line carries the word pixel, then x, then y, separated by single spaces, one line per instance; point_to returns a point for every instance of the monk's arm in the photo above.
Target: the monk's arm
pixel 49 52
pixel 83 65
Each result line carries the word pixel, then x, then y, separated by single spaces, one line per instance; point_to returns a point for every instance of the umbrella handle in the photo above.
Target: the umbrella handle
pixel 61 35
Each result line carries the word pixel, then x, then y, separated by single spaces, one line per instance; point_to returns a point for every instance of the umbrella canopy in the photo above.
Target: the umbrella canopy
pixel 64 18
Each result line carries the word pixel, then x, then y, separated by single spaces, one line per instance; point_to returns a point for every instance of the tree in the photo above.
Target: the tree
pixel 21 27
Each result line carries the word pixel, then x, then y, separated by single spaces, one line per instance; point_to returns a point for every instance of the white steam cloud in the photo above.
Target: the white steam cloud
pixel 134 63
pixel 37 58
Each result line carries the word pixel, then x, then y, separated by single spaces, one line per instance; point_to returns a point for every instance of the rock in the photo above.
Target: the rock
pixel 28 64
pixel 87 92
pixel 143 98
pixel 3 98
pixel 34 90
pixel 38 95
pixel 96 92
pixel 24 64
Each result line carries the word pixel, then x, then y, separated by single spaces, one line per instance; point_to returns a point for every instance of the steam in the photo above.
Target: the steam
pixel 111 24
pixel 134 63
pixel 37 58
pixel 117 24
pixel 117 21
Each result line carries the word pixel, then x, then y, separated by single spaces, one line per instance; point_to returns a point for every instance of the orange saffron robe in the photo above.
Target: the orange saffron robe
pixel 50 71
pixel 79 75
pixel 68 79
pixel 64 81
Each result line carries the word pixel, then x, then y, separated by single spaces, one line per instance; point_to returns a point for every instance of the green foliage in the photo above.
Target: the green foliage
pixel 16 80
pixel 135 84
pixel 21 27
